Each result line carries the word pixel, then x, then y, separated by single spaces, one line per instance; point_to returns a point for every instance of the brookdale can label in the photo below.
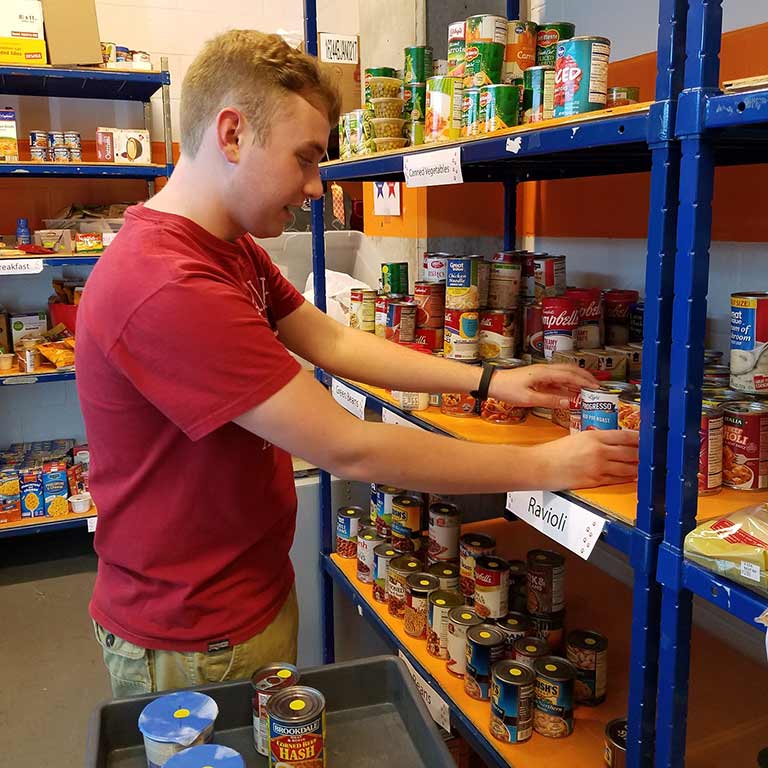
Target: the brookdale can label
pixel 520 53
pixel 491 587
pixel 367 541
pixel 296 719
pixel 538 94
pixel 547 38
pixel 560 320
pixel 749 341
pixel 444 527
pixel 462 334
pixel 581 75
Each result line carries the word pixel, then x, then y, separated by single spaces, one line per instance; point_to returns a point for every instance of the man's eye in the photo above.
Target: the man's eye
pixel 305 161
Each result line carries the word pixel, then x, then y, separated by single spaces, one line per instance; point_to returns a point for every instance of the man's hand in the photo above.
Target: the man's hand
pixel 542 386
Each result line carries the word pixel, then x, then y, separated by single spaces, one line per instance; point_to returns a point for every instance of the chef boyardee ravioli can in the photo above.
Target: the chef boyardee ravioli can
pixel 548 37
pixel 512 702
pixel 296 718
pixel 581 75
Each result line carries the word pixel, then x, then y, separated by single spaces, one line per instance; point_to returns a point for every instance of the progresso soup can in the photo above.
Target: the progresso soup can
pixel 600 407
pixel 548 37
pixel 581 75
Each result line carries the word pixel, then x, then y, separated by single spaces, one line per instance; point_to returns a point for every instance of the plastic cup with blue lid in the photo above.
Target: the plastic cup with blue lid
pixel 207 756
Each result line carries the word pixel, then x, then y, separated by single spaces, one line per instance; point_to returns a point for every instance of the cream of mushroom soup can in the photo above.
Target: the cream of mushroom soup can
pixel 749 341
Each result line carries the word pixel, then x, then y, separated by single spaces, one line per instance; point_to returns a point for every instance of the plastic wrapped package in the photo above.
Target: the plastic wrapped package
pixel 735 546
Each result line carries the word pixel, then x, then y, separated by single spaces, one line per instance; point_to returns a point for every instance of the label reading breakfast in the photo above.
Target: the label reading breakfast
pixel 338 49
pixel 20 266
pixel 563 521
pixel 348 399
pixel 433 169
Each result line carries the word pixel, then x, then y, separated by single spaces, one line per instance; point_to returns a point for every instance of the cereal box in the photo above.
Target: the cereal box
pixel 77 476
pixel 31 490
pixel 9 146
pixel 10 500
pixel 55 488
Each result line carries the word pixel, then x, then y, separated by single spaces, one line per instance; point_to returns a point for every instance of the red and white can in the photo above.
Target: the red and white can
pixel 617 305
pixel 745 445
pixel 528 284
pixel 533 330
pixel 710 451
pixel 491 587
pixel 362 309
pixel 589 334
pixel 498 332
pixel 472 546
pixel 401 321
pixel 462 334
pixel 444 529
pixel 560 319
pixel 431 338
pixel 367 540
pixel 380 315
pixel 434 267
pixel 549 275
pixel 430 304
pixel 575 413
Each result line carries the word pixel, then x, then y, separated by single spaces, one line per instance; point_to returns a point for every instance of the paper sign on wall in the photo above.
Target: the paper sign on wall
pixel 390 417
pixel 20 266
pixel 348 399
pixel 433 169
pixel 338 49
pixel 436 705
pixel 563 521
pixel 386 198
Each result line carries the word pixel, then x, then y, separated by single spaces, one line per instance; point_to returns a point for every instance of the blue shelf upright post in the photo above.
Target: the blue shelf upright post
pixel 689 316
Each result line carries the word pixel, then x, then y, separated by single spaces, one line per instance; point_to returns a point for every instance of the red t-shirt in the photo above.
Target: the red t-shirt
pixel 176 337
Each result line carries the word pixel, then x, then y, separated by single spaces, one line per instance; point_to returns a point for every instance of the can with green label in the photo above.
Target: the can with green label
pixel 472 120
pixel 360 132
pixel 444 102
pixel 622 95
pixel 418 64
pixel 538 94
pixel 483 63
pixel 581 75
pixel 374 72
pixel 548 37
pixel 414 132
pixel 415 96
pixel 394 277
pixel 345 147
pixel 456 49
pixel 501 106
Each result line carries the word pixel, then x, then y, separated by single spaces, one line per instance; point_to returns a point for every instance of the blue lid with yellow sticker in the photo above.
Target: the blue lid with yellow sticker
pixel 178 718
pixel 207 756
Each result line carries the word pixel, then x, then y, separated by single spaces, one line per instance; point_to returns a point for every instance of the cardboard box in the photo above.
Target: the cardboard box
pixel 22 39
pixel 55 488
pixel 31 490
pixel 342 54
pixel 9 145
pixel 31 324
pixel 105 145
pixel 10 497
pixel 58 240
pixel 71 32
pixel 132 147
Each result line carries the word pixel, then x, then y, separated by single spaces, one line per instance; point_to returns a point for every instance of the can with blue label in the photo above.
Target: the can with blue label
pixel 512 702
pixel 581 75
pixel 485 646
pixel 600 407
pixel 553 714
pixel 461 338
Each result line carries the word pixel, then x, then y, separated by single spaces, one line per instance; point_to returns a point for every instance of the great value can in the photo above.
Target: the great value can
pixel 415 96
pixel 546 582
pixel 548 36
pixel 512 702
pixel 434 267
pixel 749 341
pixel 589 334
pixel 617 305
pixel 588 652
pixel 382 556
pixel 418 587
pixel 472 546
pixel 463 276
pixel 401 321
pixel 485 646
pixel 347 526
pixel 538 94
pixel 266 682
pixel 491 587
pixel 398 571
pixel 745 445
pixel 430 304
pixel 548 275
pixel 441 603
pixel 417 65
pixel 710 473
pixel 581 75
pixel 520 52
pixel 456 45
pixel 500 105
pixel 560 320
pixel 362 309
pixel 461 339
pixel 460 620
pixel 600 407
pixel 296 718
pixel 555 679
pixel 394 277
pixel 472 119
pixel 498 331
pixel 443 109
pixel 444 527
pixel 367 540
pixel 447 573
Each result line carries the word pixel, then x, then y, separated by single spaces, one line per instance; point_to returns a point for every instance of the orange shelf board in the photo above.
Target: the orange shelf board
pixel 28 522
pixel 41 370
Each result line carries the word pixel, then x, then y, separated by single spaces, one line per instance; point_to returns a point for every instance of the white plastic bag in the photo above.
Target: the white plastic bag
pixel 337 288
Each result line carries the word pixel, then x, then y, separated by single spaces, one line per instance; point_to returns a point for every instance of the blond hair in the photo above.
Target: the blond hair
pixel 250 70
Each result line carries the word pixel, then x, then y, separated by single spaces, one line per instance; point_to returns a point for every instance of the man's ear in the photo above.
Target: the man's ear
pixel 229 132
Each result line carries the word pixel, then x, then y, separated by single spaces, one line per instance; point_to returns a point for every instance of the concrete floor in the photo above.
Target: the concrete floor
pixel 51 672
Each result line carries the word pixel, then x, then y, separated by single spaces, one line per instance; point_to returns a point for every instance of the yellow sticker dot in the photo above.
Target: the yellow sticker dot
pixel 181 713
pixel 423 583
pixel 516 672
pixel 297 705
pixel 439 601
pixel 284 673
pixel 493 564
pixel 413 565
pixel 541 557
pixel 550 667
pixel 589 641
pixel 466 616
pixel 485 635
pixel 512 622
pixel 530 648
pixel 476 543
pixel 390 552
pixel 368 537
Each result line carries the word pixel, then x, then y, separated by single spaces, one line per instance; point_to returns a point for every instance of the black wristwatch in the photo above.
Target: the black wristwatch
pixel 481 393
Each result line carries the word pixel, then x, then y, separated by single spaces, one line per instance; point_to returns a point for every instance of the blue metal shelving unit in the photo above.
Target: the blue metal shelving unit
pixel 36 378
pixel 83 170
pixel 713 128
pixel 622 143
pixel 45 526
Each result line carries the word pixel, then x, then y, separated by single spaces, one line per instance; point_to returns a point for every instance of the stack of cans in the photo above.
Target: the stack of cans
pixel 55 147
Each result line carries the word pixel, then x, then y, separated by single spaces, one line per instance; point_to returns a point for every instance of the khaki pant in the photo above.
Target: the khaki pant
pixel 133 669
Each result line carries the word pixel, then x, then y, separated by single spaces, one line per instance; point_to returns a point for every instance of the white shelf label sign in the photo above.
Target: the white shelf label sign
pixel 433 169
pixel 436 704
pixel 390 417
pixel 20 266
pixel 563 521
pixel 348 399
pixel 91 523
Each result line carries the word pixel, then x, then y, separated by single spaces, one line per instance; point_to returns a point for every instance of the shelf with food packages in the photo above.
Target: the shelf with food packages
pixel 44 374
pixel 43 524
pixel 39 354
pixel 83 170
pixel 594 601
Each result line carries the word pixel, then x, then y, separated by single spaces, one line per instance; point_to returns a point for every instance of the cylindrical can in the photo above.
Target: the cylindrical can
pixel 713 357
pixel 528 649
pixel 345 145
pixel 296 718
pixel 622 95
pixel 38 154
pixel 616 743
pixel 418 587
pixel 418 64
pixel 500 106
pixel 401 321
pixel 415 132
pixel 407 512
pixel 472 120
pixel 589 334
pixel 362 309
pixel 369 74
pixel 456 45
pixel 538 94
pixel 636 315
pixel 458 404
pixel 463 276
pixel 574 424
pixel 711 450
pixel 617 304
pixel 360 132
pixel 505 279
pixel 430 304
pixel 560 320
pixel 397 572
pixel 548 275
pixel 382 555
pixel 749 341
pixel 485 43
pixel 443 109
pixel 444 529
pixel 374 503
pixel 514 626
pixel 512 702
pixel 533 329
pixel 38 139
pixel 75 155
pixel 415 96
pixel 581 75
pixel 485 646
pixel 550 628
pixel 431 338
pixel 367 540
pixel 72 140
pixel 460 619
pixel 121 53
pixel 555 679
pixel 491 597
pixel 394 277
pixel 472 546
pixel 546 581
pixel 498 331
pixel 60 155
pixel 600 407
pixel 483 279
pixel 629 414
pixel 716 376
pixel 520 52
pixel 548 37
pixel 486 28
pixel 386 495
pixel 266 682
pixel 434 267
pixel 745 445
pixel 518 586
pixel 441 603
pixel 447 574
pixel 56 139
pixel 588 652
pixel 347 526
pixel 461 339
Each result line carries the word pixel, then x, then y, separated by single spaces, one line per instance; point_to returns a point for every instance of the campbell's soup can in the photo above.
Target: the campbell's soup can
pixel 401 321
pixel 362 309
pixel 710 473
pixel 462 334
pixel 589 334
pixel 498 331
pixel 431 338
pixel 745 445
pixel 491 587
pixel 434 267
pixel 749 341
pixel 636 318
pixel 380 315
pixel 574 413
pixel 617 304
pixel 533 330
pixel 581 75
pixel 548 275
pixel 600 408
pixel 472 546
pixel 430 304
pixel 559 319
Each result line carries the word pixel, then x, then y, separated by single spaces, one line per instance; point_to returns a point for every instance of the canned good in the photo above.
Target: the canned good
pixel 38 154
pixel 385 495
pixel 460 620
pixel 380 315
pixel 418 587
pixel 458 404
pixel 589 334
pixel 574 422
pixel 528 649
pixel 347 525
pixel 60 155
pixel 444 529
pixel 122 53
pixel 622 95
pixel 616 743
pixel 472 546
pixel 441 603
pixel 266 682
pixel 745 445
pixel 72 139
pixel 717 376
pixel 415 132
pixel 546 582
pixel 555 679
pixel 500 105
pixel 367 540
pixel 560 321
pixel 617 305
pixel 538 94
pixel 56 139
pixel 472 118
pixel 749 341
pixel 394 277
pixel 533 329
pixel 520 51
pixel 504 283
pixel 600 407
pixel 549 628
pixel 485 646
pixel 518 586
pixel 461 335
pixel 430 304
pixel 431 338
pixel 491 596
pixel 588 652
pixel 463 278
pixel 636 315
pixel 75 155
pixel 296 719
pixel 514 626
pixel 548 275
pixel 710 475
pixel 497 334
pixel 512 702
pixel 401 321
pixel 418 64
pixel 581 75
pixel 443 109
pixel 38 139
pixel 376 72
pixel 497 411
pixel 382 555
pixel 398 571
pixel 142 56
pixel 434 267
pixel 360 127
pixel 406 515
pixel 713 357
pixel 415 96
pixel 362 309
pixel 629 412
pixel 548 37
pixel 456 45
pixel 485 44
pixel 447 574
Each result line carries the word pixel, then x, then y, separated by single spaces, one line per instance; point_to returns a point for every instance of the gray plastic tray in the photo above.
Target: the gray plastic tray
pixel 374 717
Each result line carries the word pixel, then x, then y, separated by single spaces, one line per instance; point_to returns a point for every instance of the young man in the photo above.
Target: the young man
pixel 193 404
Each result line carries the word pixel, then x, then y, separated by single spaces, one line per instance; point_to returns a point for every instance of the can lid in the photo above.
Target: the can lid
pixel 513 673
pixel 422 583
pixel 616 733
pixel 446 598
pixel 491 563
pixel 545 557
pixel 464 616
pixel 554 668
pixel 443 570
pixel 518 567
pixel 478 540
pixel 298 703
pixel 587 639
pixel 515 621
pixel 485 634
pixel 350 511
pixel 178 718
pixel 531 646
pixel 274 677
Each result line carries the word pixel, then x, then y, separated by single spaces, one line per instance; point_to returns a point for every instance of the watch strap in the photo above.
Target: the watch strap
pixel 481 393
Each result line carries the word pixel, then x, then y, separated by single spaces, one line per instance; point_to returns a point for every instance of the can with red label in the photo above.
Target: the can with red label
pixel 533 330
pixel 710 451
pixel 498 331
pixel 380 315
pixel 559 319
pixel 472 546
pixel 430 304
pixel 431 338
pixel 528 284
pixel 434 266
pixel 491 587
pixel 401 321
pixel 367 541
pixel 745 445
pixel 504 282
pixel 589 334
pixel 462 334
pixel 444 529
pixel 574 409
pixel 362 309
pixel 617 304
pixel 549 275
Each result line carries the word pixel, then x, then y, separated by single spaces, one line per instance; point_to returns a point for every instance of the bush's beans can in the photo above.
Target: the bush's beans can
pixel 498 331
pixel 588 652
pixel 418 587
pixel 546 581
pixel 485 646
pixel 407 512
pixel 265 682
pixel 382 555
pixel 441 603
pixel 434 267
pixel 504 283
pixel 548 275
pixel 447 574
pixel 589 334
pixel 415 95
pixel 512 702
pixel 472 120
pixel 362 309
pixel 533 329
pixel 520 52
pixel 463 283
pixel 491 598
pixel 394 277
pixel 549 627
pixel 398 571
pixel 529 648
pixel 616 743
pixel 472 546
pixel 518 586
pixel 538 94
pixel 749 342
pixel 710 473
pixel 430 304
pixel 444 103
pixel 444 529
pixel 514 626
pixel 581 75
pixel 500 106
pixel 461 337
pixel 385 497
pixel 347 526
pixel 600 407
pixel 636 315
pixel 296 718
pixel 555 678
pixel 629 414
pixel 617 305
pixel 367 540
pixel 456 44
pixel 745 445
pixel 418 64
pixel 401 321
pixel 460 620
pixel 548 36
pixel 560 320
